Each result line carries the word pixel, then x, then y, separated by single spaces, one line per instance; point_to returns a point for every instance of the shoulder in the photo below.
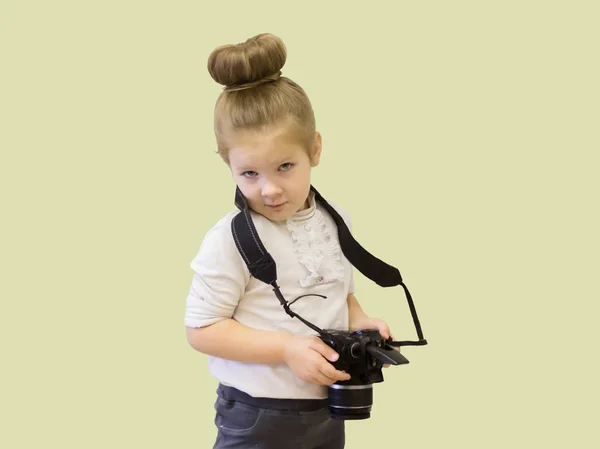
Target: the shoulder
pixel 218 246
pixel 220 232
pixel 342 211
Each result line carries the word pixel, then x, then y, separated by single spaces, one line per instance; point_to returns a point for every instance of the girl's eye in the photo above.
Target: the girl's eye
pixel 283 167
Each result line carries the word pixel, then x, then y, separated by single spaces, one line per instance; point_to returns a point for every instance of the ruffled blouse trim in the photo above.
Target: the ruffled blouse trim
pixel 315 248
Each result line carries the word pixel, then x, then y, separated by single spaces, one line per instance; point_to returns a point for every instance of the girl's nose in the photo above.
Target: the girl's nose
pixel 270 189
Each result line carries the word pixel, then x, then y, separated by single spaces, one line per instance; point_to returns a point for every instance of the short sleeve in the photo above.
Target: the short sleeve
pixel 219 280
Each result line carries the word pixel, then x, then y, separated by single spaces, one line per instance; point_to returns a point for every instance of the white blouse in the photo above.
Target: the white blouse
pixel 309 259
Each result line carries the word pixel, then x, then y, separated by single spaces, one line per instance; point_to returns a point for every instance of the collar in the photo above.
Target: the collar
pixel 308 213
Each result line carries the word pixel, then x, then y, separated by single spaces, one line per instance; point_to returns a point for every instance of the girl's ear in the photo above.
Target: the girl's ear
pixel 317 146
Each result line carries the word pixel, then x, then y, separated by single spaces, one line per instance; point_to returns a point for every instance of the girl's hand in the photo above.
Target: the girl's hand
pixel 375 323
pixel 372 323
pixel 309 358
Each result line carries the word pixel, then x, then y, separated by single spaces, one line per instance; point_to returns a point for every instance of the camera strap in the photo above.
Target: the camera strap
pixel 262 265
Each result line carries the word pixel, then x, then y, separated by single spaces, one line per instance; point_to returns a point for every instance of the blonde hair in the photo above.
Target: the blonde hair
pixel 255 94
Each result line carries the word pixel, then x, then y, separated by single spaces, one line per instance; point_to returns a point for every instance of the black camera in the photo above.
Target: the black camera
pixel 362 354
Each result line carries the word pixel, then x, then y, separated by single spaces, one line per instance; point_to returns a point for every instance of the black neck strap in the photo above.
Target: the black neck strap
pixel 262 266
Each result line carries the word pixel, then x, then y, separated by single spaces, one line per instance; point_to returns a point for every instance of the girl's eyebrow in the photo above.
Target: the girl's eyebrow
pixel 287 158
pixel 246 165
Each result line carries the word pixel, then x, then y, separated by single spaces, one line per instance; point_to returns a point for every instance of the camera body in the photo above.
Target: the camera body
pixel 362 354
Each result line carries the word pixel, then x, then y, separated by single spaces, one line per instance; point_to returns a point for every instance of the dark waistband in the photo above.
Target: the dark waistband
pixel 233 394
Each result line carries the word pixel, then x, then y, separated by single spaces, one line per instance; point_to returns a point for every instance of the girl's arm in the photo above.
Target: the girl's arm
pixel 305 354
pixel 231 340
pixel 356 315
pixel 359 320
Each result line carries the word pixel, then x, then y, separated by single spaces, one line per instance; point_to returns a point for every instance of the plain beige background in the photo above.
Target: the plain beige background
pixel 462 136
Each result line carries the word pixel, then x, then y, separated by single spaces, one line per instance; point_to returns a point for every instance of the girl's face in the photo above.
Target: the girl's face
pixel 272 170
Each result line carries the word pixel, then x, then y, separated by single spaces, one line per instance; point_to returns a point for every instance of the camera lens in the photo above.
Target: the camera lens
pixel 350 401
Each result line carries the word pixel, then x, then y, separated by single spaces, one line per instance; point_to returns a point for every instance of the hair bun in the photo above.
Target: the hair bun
pixel 247 62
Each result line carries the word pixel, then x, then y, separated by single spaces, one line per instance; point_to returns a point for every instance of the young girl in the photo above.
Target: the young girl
pixel 273 370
